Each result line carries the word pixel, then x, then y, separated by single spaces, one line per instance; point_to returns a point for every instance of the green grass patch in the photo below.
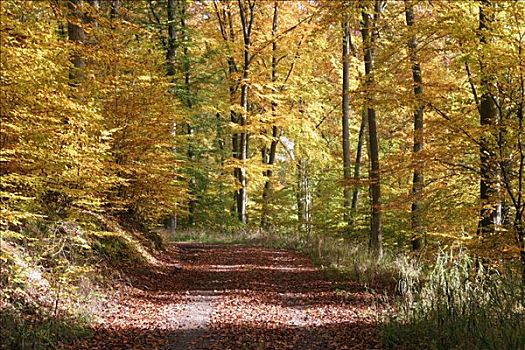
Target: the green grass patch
pixel 26 328
pixel 460 305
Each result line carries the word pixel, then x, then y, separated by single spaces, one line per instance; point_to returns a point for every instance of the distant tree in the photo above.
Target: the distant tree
pixel 347 193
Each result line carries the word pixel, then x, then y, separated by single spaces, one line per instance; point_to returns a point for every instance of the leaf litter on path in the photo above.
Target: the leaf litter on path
pixel 218 297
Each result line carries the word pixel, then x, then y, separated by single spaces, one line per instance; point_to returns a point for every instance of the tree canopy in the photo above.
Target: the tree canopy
pixel 220 113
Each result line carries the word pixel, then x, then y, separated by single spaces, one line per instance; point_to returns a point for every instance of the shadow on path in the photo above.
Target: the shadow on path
pixel 212 296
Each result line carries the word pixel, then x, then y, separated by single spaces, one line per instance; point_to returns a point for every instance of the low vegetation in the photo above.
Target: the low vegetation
pixel 460 304
pixel 51 282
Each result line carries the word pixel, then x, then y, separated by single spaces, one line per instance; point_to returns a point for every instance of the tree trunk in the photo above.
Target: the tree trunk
pixel 229 37
pixel 304 197
pixel 347 195
pixel 76 34
pixel 247 17
pixel 376 239
pixel 520 235
pixel 520 201
pixel 221 145
pixel 188 102
pixel 357 166
pixel 171 7
pixel 418 238
pixel 172 38
pixel 490 206
pixel 518 198
pixel 269 158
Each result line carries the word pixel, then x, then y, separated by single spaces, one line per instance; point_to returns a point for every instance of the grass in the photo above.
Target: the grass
pixel 234 236
pixel 28 328
pixel 460 305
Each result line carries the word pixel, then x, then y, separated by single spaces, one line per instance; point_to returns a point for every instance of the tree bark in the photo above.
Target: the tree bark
pixel 171 50
pixel 515 187
pixel 247 17
pixel 347 195
pixel 376 239
pixel 76 34
pixel 224 18
pixel 490 205
pixel 520 235
pixel 269 155
pixel 171 8
pixel 520 201
pixel 188 102
pixel 418 238
pixel 304 197
pixel 357 166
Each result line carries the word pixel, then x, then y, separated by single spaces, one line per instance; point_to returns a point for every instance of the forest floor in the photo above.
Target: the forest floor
pixel 213 296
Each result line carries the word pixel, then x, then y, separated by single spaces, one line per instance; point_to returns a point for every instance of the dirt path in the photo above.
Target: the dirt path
pixel 205 296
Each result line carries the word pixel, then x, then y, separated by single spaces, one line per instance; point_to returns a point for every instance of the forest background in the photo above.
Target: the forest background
pixel 391 125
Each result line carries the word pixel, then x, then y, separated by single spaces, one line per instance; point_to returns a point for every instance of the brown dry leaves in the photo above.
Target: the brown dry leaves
pixel 234 297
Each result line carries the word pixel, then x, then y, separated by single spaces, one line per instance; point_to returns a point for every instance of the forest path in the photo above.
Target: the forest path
pixel 213 296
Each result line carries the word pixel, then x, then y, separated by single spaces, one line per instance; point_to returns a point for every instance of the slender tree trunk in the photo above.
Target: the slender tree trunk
pixel 515 184
pixel 228 34
pixel 519 197
pixel 304 197
pixel 376 239
pixel 247 17
pixel 172 38
pixel 520 235
pixel 357 166
pixel 490 205
pixel 418 238
pixel 188 102
pixel 347 195
pixel 520 200
pixel 171 50
pixel 269 158
pixel 76 34
pixel 224 18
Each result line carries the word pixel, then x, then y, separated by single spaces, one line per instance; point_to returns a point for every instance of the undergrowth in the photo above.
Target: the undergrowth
pixel 50 276
pixel 24 328
pixel 461 304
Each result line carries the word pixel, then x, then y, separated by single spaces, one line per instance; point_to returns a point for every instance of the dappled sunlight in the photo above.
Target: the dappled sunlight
pixel 222 268
pixel 213 296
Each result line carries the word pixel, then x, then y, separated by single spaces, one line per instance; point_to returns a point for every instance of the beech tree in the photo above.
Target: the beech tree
pixel 345 118
pixel 226 112
pixel 490 207
pixel 368 32
pixel 268 154
pixel 418 179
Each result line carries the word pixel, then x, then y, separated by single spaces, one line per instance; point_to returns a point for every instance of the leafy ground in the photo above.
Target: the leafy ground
pixel 213 296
